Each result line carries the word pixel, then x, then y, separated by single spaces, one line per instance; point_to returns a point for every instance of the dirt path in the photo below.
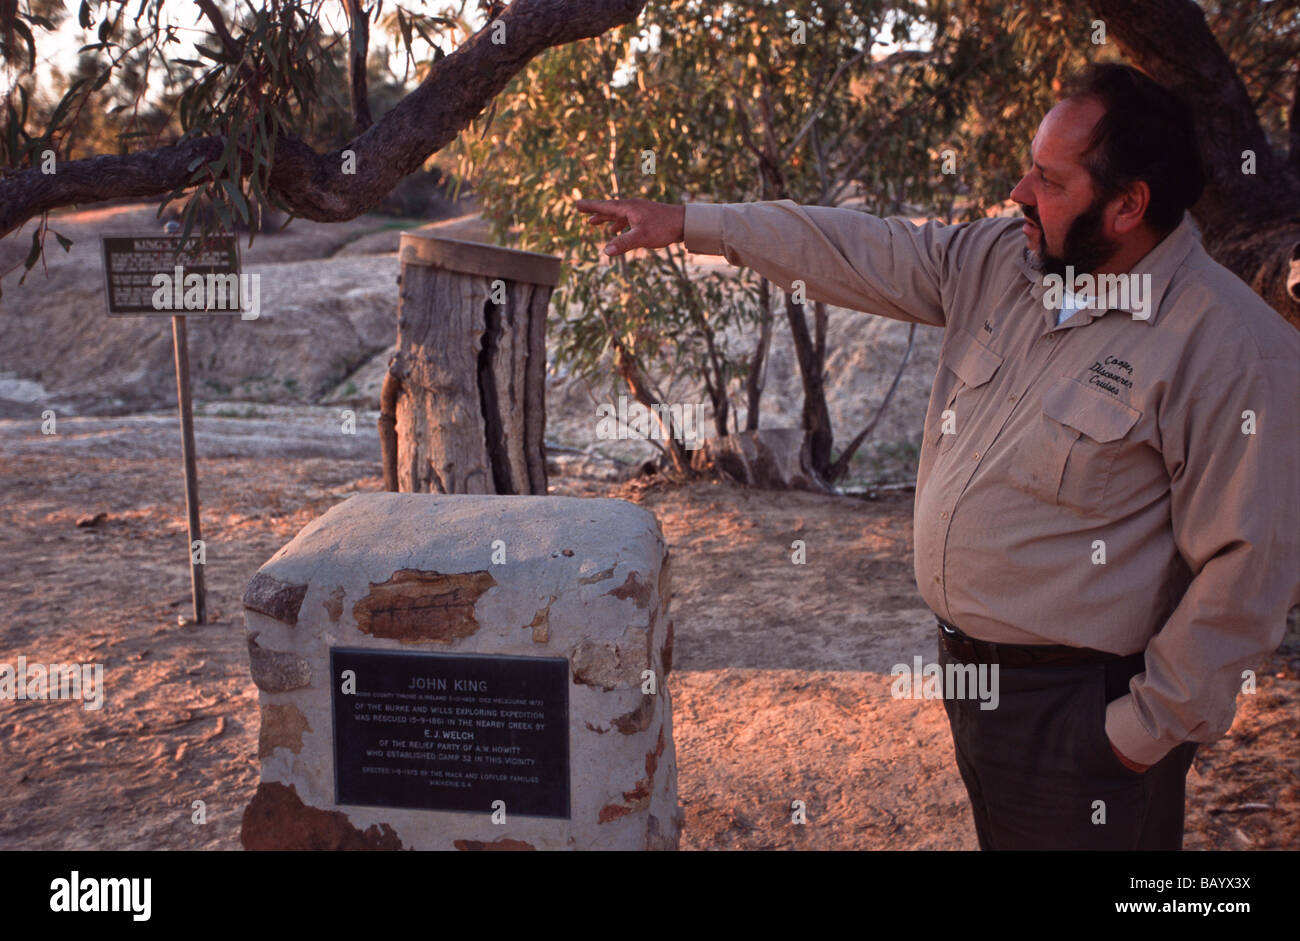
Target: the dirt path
pixel 780 684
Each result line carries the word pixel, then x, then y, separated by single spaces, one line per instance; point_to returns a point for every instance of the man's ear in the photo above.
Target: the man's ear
pixel 1131 207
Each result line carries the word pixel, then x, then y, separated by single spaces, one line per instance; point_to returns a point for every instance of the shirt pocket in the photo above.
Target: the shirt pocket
pixel 974 364
pixel 1070 453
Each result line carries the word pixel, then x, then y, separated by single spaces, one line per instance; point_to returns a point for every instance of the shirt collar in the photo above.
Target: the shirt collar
pixel 1160 263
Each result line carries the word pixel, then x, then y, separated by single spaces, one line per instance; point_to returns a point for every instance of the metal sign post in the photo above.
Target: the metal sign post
pixel 181 344
pixel 146 275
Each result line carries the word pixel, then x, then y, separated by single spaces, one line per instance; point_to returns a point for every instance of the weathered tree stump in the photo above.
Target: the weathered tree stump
pixel 463 407
pixel 766 458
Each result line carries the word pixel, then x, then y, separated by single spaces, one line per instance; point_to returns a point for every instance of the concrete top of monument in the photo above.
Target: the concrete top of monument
pixel 377 543
pixel 378 531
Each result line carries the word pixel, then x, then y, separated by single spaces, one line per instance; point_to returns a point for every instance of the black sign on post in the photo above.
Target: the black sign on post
pixel 456 732
pixel 200 278
pixel 171 275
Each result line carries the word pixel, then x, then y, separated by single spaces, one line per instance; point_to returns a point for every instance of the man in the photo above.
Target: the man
pixel 1108 501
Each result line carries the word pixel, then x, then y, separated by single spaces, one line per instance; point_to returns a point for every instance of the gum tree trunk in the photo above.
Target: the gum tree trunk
pixel 463 409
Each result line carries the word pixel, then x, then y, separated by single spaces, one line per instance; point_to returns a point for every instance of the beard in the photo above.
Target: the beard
pixel 1086 246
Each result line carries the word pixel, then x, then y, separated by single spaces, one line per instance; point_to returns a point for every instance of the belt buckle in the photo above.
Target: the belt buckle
pixel 958 645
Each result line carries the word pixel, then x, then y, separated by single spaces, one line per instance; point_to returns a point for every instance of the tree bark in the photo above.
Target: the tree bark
pixel 816 415
pixel 388 429
pixel 358 46
pixel 467 382
pixel 758 362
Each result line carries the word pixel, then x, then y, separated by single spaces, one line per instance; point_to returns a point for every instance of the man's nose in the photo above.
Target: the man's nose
pixel 1021 192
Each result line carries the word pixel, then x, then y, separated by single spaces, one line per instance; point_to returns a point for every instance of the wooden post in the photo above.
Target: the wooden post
pixel 465 399
pixel 181 344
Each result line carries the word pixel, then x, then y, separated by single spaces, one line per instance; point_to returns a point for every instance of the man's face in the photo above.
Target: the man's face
pixel 1066 219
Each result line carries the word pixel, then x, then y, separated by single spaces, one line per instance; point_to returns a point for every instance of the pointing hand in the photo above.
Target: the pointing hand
pixel 649 224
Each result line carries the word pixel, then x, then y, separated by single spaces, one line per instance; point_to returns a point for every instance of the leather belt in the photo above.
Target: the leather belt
pixel 966 649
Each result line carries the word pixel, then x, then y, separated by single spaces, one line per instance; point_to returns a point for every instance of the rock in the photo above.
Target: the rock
pixel 276 671
pixel 274 598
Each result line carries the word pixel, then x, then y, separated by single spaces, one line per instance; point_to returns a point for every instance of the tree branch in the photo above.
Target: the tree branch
pixel 359 45
pixel 312 185
pixel 841 465
pixel 213 13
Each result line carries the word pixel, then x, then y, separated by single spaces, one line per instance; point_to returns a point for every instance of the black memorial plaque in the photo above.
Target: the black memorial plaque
pixel 431 731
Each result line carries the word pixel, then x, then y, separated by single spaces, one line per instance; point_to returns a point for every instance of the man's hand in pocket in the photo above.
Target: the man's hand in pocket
pixel 1131 765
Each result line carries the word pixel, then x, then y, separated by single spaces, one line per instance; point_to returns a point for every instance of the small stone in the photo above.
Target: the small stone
pixel 276 671
pixel 274 598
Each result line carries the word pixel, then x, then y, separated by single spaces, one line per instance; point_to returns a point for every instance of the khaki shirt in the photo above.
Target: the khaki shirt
pixel 1128 480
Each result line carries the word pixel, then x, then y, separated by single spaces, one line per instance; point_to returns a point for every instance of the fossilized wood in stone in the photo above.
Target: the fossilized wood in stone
pixel 665 583
pixel 282 727
pixel 634 588
pixel 638 720
pixel 274 598
pixel 422 607
pixel 607 665
pixel 541 623
pixel 597 577
pixel 277 819
pixel 638 798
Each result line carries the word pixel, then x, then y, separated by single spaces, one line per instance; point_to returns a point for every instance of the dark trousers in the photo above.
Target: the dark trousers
pixel 1040 771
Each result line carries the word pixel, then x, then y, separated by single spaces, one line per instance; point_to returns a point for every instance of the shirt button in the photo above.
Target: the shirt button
pixel 1012 396
pixel 937 579
pixel 943 514
pixel 977 455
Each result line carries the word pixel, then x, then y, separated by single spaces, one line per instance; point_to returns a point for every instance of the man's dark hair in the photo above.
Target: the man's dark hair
pixel 1147 133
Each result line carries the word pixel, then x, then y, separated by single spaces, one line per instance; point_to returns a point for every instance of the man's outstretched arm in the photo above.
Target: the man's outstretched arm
pixel 888 267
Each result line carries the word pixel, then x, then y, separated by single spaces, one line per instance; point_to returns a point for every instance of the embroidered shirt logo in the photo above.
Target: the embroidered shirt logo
pixel 1111 373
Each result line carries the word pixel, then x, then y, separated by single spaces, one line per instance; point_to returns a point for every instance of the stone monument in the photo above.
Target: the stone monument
pixel 465 672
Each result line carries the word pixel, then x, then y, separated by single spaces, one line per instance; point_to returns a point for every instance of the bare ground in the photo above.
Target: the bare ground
pixel 780 683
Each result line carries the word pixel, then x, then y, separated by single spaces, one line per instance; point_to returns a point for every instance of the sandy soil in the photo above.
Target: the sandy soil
pixel 780 681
